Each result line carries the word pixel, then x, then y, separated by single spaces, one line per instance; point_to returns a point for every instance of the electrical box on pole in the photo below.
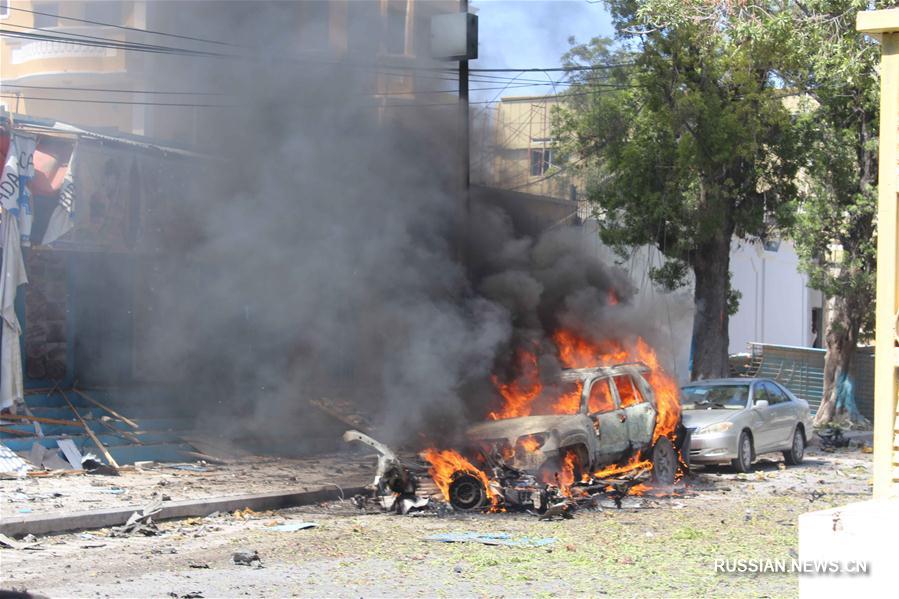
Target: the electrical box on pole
pixel 454 36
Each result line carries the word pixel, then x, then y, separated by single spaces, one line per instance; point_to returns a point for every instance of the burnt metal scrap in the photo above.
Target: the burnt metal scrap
pixel 397 486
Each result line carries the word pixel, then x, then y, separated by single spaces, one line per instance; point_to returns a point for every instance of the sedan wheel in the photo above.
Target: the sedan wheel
pixel 797 449
pixel 743 461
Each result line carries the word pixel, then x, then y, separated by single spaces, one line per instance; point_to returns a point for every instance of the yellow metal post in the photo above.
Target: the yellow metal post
pixel 885 24
pixel 885 350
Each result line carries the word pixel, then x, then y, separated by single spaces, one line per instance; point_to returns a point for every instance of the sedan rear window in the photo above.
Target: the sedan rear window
pixel 714 397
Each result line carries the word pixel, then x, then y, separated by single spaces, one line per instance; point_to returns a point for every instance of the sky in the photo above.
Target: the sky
pixel 531 33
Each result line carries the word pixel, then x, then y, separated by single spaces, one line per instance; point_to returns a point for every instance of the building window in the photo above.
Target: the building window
pixel 49 16
pixel 4 9
pixel 541 160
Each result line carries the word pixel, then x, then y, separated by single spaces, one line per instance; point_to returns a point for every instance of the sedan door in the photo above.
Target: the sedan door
pixel 609 422
pixel 784 415
pixel 762 420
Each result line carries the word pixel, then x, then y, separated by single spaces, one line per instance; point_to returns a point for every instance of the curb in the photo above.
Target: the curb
pixel 38 524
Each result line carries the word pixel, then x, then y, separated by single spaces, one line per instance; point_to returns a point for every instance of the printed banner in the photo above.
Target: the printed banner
pixel 63 218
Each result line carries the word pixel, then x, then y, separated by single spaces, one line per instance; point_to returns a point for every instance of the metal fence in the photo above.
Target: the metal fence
pixel 801 370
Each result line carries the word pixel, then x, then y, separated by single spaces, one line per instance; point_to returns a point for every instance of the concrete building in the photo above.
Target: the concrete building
pixel 513 149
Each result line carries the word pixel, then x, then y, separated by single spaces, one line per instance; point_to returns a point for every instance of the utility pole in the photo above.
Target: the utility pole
pixel 463 112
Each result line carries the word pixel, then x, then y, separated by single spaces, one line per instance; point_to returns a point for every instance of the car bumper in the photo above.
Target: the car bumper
pixel 713 448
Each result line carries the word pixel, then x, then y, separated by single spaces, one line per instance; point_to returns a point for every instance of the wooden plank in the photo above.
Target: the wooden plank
pixel 87 397
pixel 90 433
pixel 41 419
pixel 12 431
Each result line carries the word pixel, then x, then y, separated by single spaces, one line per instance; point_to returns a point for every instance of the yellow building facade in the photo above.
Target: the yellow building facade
pixel 516 150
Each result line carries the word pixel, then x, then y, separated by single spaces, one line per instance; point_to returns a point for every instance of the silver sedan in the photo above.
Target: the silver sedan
pixel 735 420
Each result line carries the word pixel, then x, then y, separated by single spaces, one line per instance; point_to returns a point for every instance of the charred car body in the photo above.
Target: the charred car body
pixel 612 422
pixel 600 438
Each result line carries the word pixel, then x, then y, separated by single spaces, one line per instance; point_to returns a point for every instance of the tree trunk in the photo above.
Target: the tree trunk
pixel 840 339
pixel 711 269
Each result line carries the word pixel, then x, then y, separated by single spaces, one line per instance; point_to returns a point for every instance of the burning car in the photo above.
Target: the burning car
pixel 607 416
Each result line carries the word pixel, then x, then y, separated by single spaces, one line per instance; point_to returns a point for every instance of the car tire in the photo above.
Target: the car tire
pixel 743 461
pixel 664 462
pixel 794 455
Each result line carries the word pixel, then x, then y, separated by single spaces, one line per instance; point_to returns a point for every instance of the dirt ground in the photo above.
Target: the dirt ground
pixel 651 547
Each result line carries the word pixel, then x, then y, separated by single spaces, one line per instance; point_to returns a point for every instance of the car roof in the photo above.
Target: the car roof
pixel 581 374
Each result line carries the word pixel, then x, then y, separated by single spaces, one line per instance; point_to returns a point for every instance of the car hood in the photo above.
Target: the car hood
pixel 512 428
pixel 701 418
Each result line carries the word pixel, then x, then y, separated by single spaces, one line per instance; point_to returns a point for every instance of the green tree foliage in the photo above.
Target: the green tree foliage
pixel 835 225
pixel 828 76
pixel 686 148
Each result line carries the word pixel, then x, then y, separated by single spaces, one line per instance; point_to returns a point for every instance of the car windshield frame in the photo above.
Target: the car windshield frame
pixel 718 401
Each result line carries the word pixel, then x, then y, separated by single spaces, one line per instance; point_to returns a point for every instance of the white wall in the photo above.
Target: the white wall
pixel 776 306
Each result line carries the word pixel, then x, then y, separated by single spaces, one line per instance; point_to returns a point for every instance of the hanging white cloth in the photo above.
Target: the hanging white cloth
pixel 63 218
pixel 12 274
pixel 12 271
pixel 18 170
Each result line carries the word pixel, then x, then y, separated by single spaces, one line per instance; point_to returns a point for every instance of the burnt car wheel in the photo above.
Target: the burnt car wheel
pixel 467 493
pixel 664 462
pixel 743 461
pixel 794 455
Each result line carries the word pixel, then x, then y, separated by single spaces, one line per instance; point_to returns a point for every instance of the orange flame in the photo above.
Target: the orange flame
pixel 530 444
pixel 521 394
pixel 612 299
pixel 634 463
pixel 564 478
pixel 446 464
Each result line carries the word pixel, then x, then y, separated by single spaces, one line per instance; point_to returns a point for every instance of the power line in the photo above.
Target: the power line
pixel 85 40
pixel 190 93
pixel 197 105
pixel 601 67
pixel 136 29
pixel 97 89
pixel 87 101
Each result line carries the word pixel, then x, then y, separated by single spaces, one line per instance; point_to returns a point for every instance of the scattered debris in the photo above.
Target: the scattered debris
pixel 189 467
pixel 245 558
pixel 293 526
pixel 394 485
pixel 71 452
pixel 92 465
pixel 42 457
pixel 11 463
pixel 139 523
pixel 29 542
pixel 244 514
pixel 832 437
pixel 502 538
